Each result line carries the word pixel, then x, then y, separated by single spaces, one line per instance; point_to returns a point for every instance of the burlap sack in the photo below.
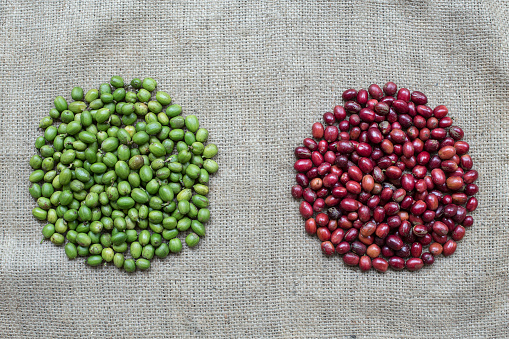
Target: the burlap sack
pixel 257 74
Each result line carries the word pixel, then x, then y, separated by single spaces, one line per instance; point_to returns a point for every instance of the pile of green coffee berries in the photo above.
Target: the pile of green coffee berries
pixel 122 175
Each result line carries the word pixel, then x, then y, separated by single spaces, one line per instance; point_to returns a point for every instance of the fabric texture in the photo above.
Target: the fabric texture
pixel 257 75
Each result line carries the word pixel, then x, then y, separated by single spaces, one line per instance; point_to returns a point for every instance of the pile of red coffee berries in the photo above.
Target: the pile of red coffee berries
pixel 387 177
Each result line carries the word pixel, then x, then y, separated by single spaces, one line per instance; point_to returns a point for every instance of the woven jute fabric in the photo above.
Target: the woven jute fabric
pixel 257 74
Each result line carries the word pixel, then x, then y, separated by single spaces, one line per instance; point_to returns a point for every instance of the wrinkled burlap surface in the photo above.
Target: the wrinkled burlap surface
pixel 257 75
